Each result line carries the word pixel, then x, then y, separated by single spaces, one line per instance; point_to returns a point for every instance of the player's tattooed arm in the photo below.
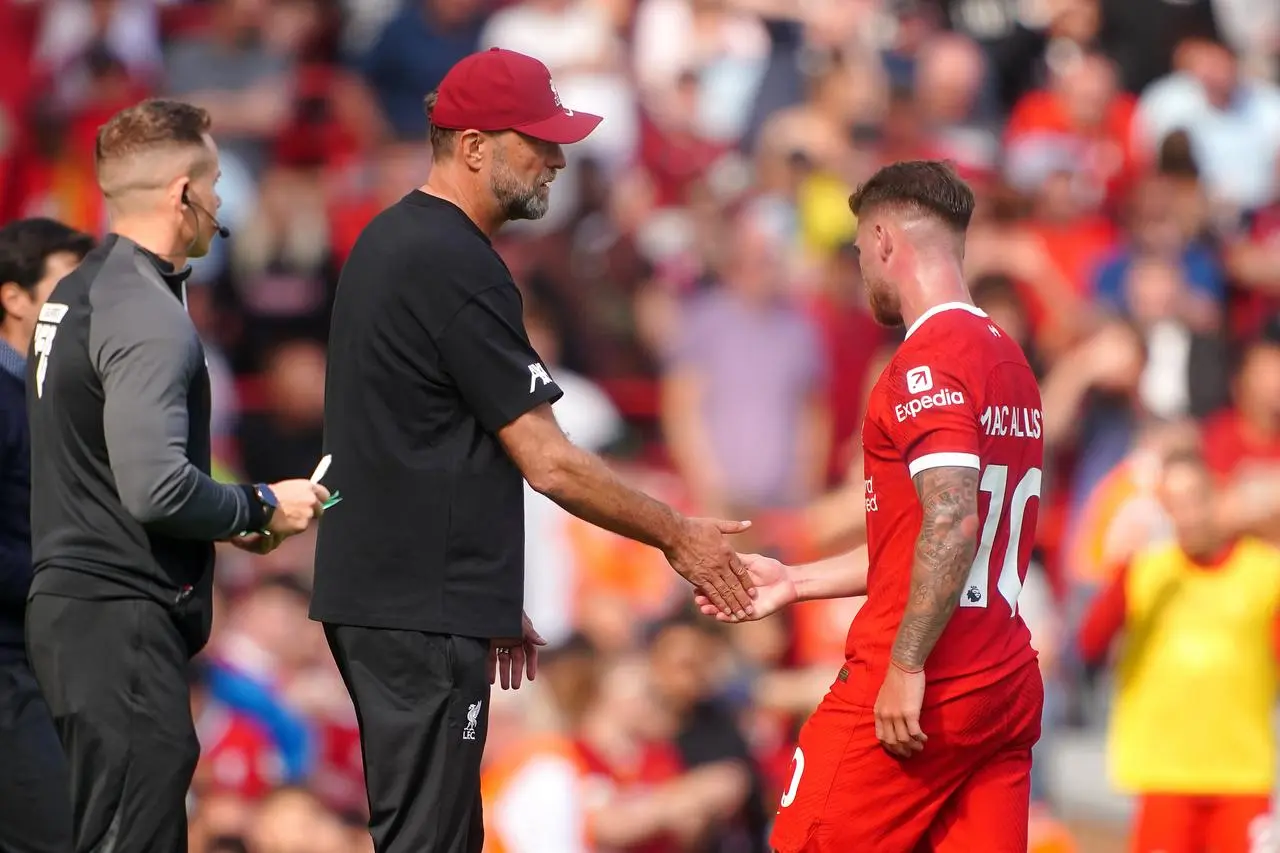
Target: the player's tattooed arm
pixel 944 554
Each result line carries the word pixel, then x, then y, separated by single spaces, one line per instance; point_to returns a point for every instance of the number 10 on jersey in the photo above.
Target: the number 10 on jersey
pixel 1001 512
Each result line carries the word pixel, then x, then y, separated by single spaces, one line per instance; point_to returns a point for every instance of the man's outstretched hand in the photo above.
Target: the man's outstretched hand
pixel 774 589
pixel 704 557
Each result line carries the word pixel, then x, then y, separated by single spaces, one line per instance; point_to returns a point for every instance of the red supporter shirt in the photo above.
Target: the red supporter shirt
pixel 656 764
pixel 1230 447
pixel 959 392
pixel 1248 309
pixel 236 755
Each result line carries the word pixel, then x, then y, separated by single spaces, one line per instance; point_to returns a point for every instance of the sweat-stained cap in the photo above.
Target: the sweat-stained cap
pixel 503 90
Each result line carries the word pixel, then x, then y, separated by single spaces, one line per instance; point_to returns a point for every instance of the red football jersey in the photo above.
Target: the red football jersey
pixel 959 392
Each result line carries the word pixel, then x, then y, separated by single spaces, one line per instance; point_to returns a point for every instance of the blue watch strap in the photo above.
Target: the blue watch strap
pixel 262 504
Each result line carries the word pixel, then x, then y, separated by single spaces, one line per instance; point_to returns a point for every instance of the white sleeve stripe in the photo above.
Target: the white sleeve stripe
pixel 944 460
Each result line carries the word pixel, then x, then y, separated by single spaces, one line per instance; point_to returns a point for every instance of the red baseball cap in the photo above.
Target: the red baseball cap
pixel 504 90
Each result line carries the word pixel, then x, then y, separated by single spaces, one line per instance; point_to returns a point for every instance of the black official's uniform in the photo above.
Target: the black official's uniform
pixel 123 520
pixel 423 562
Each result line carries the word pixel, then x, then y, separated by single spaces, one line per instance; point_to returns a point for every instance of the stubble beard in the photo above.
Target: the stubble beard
pixel 885 308
pixel 516 200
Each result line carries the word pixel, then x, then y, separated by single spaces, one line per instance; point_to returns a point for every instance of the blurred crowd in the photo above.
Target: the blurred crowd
pixel 695 292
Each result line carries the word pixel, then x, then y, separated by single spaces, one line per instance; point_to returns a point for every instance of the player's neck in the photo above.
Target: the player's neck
pixel 932 286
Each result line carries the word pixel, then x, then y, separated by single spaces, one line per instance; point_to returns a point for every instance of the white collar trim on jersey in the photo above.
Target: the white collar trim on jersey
pixel 946 306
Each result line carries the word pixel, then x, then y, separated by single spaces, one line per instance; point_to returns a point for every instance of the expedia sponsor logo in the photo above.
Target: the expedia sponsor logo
pixel 913 407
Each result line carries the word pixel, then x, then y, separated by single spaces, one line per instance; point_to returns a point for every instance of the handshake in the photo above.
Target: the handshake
pixel 730 586
pixel 735 587
pixel 298 503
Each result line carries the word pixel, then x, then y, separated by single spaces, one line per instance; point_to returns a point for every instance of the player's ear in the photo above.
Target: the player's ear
pixel 884 242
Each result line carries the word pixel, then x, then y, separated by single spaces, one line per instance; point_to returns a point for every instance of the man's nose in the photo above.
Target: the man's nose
pixel 555 157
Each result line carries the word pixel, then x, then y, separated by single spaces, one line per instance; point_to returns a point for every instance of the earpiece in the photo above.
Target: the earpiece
pixel 223 231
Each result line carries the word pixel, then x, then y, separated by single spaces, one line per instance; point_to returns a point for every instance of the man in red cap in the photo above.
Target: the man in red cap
pixel 507 101
pixel 437 408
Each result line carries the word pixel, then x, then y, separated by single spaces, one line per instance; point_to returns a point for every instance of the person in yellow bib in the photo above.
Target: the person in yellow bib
pixel 1191 726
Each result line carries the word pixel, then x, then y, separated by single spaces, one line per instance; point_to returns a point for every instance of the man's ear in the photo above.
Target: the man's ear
pixel 471 144
pixel 177 191
pixel 14 300
pixel 884 242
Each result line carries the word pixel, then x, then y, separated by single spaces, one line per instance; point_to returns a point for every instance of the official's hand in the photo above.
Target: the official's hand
pixel 509 659
pixel 774 589
pixel 256 543
pixel 299 503
pixel 898 712
pixel 704 557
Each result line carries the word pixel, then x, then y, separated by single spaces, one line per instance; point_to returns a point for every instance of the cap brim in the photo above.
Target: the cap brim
pixel 563 128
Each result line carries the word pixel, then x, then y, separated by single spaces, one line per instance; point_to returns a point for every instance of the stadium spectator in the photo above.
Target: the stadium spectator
pixel 744 401
pixel 682 659
pixel 1199 616
pixel 421 42
pixel 35 813
pixel 1234 122
pixel 1245 439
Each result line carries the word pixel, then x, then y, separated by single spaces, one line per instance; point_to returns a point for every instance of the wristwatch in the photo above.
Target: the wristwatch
pixel 267 499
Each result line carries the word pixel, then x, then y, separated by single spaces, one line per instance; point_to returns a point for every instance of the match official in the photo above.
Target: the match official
pixel 35 812
pixel 124 513
pixel 436 405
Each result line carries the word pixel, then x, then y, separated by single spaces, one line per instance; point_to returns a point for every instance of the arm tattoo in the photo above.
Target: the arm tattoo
pixel 944 554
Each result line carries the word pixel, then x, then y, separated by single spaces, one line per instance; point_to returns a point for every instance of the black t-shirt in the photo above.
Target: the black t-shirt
pixel 428 359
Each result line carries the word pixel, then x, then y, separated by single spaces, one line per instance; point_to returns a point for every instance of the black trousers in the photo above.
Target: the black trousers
pixel 422 704
pixel 115 676
pixel 35 803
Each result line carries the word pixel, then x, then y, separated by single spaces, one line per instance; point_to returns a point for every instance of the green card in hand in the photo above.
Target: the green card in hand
pixel 335 498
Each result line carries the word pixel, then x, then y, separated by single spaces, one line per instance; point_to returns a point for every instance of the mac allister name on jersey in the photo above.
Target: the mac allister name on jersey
pixel 1012 421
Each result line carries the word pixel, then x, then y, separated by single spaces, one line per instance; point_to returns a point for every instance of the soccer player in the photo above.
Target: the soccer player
pixel 924 741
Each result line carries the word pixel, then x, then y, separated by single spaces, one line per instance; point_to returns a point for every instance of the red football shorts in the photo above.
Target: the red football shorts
pixel 1173 823
pixel 968 791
